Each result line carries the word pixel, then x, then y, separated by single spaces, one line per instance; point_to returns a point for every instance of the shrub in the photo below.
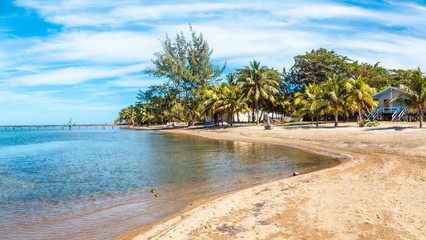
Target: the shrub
pixel 368 123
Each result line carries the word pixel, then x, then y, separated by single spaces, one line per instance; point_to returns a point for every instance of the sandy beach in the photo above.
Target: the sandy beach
pixel 377 192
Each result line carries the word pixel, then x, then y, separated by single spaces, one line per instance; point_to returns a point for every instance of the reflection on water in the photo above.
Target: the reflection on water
pixel 94 184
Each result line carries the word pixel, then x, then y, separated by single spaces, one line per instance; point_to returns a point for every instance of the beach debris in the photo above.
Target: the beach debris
pixel 157 195
pixel 268 125
pixel 261 222
pixel 257 207
pixel 153 190
pixel 295 173
pixel 286 188
pixel 231 229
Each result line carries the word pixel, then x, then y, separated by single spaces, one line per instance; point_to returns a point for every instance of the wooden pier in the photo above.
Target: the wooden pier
pixel 61 127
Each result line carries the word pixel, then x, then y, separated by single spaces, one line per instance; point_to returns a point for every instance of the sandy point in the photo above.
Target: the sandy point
pixel 378 192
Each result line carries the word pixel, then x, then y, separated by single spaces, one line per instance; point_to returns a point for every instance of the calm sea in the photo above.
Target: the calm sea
pixel 95 184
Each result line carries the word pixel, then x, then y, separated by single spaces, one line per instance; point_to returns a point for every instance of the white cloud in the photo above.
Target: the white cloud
pixel 100 47
pixel 104 46
pixel 275 31
pixel 131 82
pixel 76 13
pixel 41 97
pixel 99 13
pixel 45 100
pixel 73 75
pixel 322 11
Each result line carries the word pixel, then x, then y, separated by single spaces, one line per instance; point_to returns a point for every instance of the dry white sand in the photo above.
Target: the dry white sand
pixel 378 192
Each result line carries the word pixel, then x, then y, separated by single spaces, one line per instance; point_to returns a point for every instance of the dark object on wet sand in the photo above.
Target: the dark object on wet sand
pixel 268 126
pixel 153 190
pixel 295 173
pixel 286 188
pixel 261 222
pixel 232 230
pixel 257 207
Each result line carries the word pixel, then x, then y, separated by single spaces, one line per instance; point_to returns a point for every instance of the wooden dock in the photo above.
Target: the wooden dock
pixel 61 127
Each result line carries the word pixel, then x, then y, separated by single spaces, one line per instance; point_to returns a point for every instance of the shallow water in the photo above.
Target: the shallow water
pixel 95 184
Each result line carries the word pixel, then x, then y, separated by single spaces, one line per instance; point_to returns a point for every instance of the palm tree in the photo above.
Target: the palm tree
pixel 258 82
pixel 414 95
pixel 130 115
pixel 231 78
pixel 210 97
pixel 307 101
pixel 121 116
pixel 334 94
pixel 231 100
pixel 361 93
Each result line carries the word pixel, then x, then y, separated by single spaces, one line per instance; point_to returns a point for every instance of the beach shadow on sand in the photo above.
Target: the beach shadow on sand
pixel 396 128
pixel 309 126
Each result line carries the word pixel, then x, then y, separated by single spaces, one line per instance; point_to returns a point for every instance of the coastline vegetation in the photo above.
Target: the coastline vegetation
pixel 321 85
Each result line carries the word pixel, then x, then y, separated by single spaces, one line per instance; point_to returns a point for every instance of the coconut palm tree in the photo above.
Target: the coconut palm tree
pixel 258 82
pixel 130 115
pixel 121 116
pixel 307 101
pixel 414 95
pixel 231 100
pixel 361 93
pixel 334 94
pixel 231 79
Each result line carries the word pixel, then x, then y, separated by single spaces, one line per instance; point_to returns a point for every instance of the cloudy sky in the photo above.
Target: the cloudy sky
pixel 85 58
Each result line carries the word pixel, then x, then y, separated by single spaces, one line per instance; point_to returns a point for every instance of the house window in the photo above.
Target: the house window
pixel 386 103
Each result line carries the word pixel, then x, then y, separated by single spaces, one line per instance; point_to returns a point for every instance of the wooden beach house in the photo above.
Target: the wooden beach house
pixel 388 110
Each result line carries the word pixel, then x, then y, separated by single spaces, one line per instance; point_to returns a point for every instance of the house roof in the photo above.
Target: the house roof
pixel 384 91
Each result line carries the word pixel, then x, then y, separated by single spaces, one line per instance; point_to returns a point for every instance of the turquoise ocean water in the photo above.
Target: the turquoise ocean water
pixel 95 184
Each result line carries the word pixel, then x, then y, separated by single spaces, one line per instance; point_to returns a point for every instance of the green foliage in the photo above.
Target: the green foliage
pixel 375 76
pixel 332 85
pixel 258 83
pixel 399 76
pixel 225 99
pixel 187 67
pixel 316 66
pixel 334 94
pixel 307 102
pixel 360 93
pixel 368 123
pixel 414 95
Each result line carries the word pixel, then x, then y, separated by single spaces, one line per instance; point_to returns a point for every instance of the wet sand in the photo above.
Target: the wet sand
pixel 378 192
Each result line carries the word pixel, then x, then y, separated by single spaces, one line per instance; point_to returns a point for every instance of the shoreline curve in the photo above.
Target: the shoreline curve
pixel 184 224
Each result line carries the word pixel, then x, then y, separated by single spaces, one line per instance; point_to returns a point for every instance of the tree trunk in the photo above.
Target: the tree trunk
pixel 312 120
pixel 238 116
pixel 317 121
pixel 256 102
pixel 252 115
pixel 221 116
pixel 359 111
pixel 325 117
pixel 336 117
pixel 232 117
pixel 421 117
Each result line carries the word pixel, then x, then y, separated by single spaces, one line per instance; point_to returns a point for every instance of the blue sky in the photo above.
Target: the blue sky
pixel 85 58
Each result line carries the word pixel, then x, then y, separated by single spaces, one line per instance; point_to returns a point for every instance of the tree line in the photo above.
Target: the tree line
pixel 320 84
